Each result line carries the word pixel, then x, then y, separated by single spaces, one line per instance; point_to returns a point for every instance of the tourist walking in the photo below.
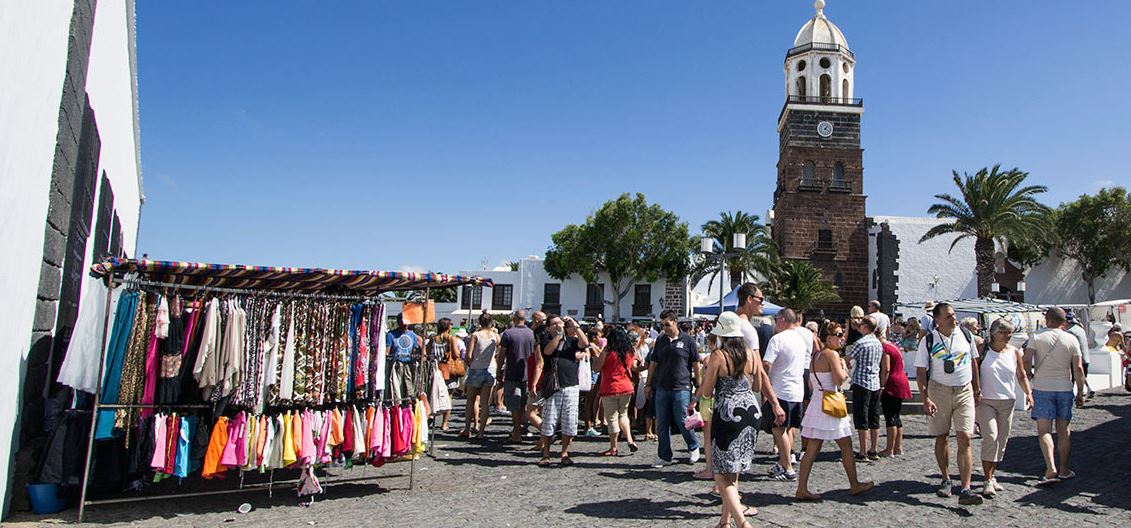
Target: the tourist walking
pixel 442 347
pixel 896 390
pixel 616 363
pixel 949 385
pixel 883 322
pixel 481 368
pixel 910 338
pixel 855 315
pixel 675 358
pixel 1054 357
pixel 534 367
pixel 998 370
pixel 827 372
pixel 566 348
pixel 731 379
pixel 786 358
pixel 517 346
pixel 866 355
pixel 1077 331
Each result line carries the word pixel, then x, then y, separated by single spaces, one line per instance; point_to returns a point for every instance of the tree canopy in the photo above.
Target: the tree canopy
pixel 798 285
pixel 627 238
pixel 758 259
pixel 993 206
pixel 1095 231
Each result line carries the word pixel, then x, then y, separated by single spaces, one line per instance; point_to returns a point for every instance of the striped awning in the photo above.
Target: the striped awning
pixel 985 306
pixel 281 279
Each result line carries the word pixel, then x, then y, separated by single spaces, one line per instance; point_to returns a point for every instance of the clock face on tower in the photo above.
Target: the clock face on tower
pixel 825 129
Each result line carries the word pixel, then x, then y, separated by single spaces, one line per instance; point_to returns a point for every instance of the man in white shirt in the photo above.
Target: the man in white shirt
pixel 786 360
pixel 949 384
pixel 883 322
pixel 1054 356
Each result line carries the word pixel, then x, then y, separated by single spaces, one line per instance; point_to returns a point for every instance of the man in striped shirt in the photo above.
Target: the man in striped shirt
pixel 865 355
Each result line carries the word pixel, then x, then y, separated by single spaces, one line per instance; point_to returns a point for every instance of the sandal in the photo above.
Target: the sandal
pixel 567 461
pixel 609 452
pixel 1047 481
pixel 750 511
pixel 545 462
pixel 633 447
pixel 1071 475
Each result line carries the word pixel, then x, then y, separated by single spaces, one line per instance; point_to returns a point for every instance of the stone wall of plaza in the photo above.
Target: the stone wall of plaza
pixel 70 192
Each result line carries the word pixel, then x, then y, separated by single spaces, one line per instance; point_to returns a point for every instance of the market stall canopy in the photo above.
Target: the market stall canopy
pixel 730 301
pixel 282 279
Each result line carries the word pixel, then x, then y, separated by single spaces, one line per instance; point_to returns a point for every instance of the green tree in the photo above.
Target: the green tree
pixel 994 206
pixel 626 238
pixel 756 262
pixel 798 285
pixel 1095 231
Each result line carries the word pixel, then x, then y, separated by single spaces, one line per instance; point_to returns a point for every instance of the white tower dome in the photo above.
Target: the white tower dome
pixel 820 68
pixel 820 30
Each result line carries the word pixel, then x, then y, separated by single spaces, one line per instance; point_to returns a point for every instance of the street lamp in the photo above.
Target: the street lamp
pixel 707 249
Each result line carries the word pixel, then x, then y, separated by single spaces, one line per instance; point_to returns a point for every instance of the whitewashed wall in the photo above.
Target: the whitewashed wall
pixel 1058 281
pixel 529 289
pixel 33 57
pixel 927 271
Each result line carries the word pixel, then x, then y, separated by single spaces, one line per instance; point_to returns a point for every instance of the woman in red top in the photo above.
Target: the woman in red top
pixel 615 385
pixel 897 389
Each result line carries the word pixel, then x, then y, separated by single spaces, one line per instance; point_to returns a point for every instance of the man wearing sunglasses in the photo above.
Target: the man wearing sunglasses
pixel 950 388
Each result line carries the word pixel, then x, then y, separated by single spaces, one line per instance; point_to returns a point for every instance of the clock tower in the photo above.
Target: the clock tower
pixel 818 213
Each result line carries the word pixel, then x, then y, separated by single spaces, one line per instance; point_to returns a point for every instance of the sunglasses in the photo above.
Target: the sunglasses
pixel 838 334
pixel 759 299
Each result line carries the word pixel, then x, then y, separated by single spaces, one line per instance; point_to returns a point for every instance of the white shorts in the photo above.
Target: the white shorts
pixel 561 408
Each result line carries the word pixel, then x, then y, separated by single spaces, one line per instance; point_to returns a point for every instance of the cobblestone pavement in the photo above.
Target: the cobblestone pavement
pixel 492 484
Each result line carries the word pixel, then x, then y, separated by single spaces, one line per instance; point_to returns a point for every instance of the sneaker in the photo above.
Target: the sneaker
pixel 693 457
pixel 967 497
pixel 945 489
pixel 775 470
pixel 592 432
pixel 659 463
pixel 786 476
pixel 997 487
pixel 793 458
pixel 988 490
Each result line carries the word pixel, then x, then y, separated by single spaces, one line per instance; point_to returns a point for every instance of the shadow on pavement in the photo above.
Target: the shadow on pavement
pixel 637 509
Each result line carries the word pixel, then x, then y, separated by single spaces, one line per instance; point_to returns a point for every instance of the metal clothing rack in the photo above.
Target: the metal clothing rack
pixel 111 276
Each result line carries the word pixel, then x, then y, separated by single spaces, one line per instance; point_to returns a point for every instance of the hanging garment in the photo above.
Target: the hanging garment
pixel 289 456
pixel 237 438
pixel 172 356
pixel 62 460
pixel 297 432
pixel 370 422
pixel 420 428
pixel 183 466
pixel 171 441
pixel 400 443
pixel 359 448
pixel 287 368
pixel 212 459
pixel 377 379
pixel 377 432
pixel 206 369
pixel 309 452
pixel 124 317
pixel 80 366
pixel 252 441
pixel 271 354
pixel 261 443
pixel 133 368
pixel 160 430
pixel 324 450
pixel 387 442
pixel 348 436
pixel 152 372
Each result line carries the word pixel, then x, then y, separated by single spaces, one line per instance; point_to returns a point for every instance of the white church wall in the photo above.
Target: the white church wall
pixel 1058 281
pixel 929 270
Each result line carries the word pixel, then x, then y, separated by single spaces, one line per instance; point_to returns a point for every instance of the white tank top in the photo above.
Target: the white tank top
pixel 999 374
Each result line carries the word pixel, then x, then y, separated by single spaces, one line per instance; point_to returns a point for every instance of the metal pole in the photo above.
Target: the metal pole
pixel 722 274
pixel 97 398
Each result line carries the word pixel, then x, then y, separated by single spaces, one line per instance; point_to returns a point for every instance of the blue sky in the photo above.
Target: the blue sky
pixel 425 134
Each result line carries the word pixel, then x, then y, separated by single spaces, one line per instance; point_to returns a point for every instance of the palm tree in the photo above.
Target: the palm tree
pixel 993 207
pixel 756 262
pixel 798 285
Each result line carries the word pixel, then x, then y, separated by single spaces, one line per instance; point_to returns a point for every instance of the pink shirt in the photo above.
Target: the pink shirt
pixel 897 384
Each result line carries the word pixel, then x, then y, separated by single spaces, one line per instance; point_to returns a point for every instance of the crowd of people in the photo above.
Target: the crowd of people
pixel 744 374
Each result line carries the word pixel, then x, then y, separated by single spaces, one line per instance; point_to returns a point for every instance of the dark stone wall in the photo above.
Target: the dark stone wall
pixel 887 263
pixel 801 212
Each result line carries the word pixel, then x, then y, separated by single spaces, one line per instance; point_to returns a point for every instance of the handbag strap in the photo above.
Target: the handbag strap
pixel 816 376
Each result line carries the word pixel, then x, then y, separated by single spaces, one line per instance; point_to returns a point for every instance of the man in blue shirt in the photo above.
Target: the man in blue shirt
pixel 403 345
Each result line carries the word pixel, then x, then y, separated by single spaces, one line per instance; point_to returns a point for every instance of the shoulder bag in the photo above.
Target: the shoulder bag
pixel 456 366
pixel 833 403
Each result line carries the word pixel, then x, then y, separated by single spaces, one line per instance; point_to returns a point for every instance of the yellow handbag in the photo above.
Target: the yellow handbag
pixel 833 403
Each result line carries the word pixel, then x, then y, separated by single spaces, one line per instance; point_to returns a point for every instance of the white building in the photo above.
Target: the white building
pixel 70 192
pixel 905 273
pixel 531 288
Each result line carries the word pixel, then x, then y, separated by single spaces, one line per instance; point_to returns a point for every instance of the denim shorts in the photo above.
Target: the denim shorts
pixel 479 378
pixel 1052 405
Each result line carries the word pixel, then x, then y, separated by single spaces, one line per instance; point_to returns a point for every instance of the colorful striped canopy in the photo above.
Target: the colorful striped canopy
pixel 272 278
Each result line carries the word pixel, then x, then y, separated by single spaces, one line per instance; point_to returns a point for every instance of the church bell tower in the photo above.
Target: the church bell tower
pixel 818 213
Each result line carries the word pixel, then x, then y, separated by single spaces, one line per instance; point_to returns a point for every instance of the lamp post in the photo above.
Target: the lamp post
pixel 707 249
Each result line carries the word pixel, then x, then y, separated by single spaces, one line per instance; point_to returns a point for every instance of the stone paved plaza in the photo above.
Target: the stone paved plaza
pixel 492 484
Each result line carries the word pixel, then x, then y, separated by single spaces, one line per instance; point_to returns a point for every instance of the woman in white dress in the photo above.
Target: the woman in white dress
pixel 827 372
